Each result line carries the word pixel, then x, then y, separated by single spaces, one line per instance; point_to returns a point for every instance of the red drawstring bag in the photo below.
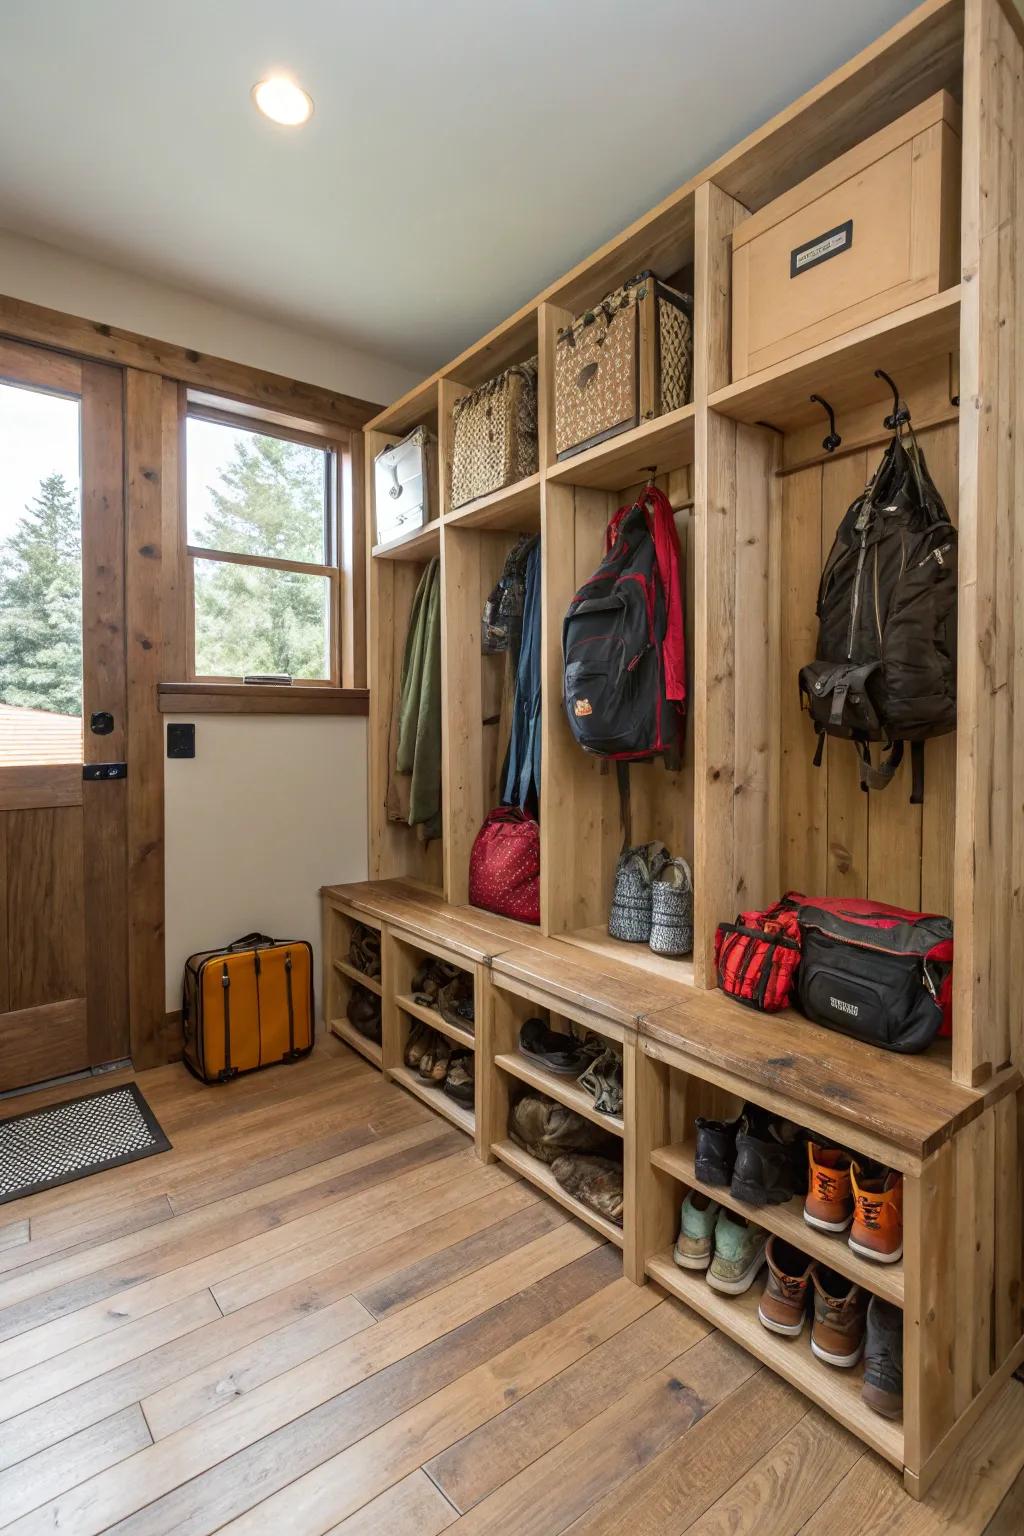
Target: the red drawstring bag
pixel 504 866
pixel 757 956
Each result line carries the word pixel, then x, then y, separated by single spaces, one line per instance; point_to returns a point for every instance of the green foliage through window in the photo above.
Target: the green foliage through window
pixel 41 604
pixel 250 494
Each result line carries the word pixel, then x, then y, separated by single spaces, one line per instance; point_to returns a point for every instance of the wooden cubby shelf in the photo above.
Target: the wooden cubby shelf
pixel 834 1389
pixel 420 544
pixel 354 974
pixel 564 1090
pixel 433 1018
pixel 664 444
pixel 539 1173
pixel 436 1098
pixel 351 1036
pixel 786 1221
pixel 844 369
pixel 515 508
pixel 757 501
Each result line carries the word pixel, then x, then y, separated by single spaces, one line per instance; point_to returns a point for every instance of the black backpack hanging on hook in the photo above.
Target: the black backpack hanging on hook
pixel 885 668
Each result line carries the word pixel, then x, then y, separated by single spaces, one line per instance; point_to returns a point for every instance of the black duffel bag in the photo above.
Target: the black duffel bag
pixel 881 974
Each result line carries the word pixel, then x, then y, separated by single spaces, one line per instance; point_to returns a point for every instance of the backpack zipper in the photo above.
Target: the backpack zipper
pixel 861 527
pixel 936 555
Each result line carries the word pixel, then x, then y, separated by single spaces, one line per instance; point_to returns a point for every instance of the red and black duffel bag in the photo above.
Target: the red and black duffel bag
pixel 882 974
pixel 756 957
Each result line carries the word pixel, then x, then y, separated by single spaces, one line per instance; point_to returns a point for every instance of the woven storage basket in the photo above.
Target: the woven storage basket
pixel 494 434
pixel 626 361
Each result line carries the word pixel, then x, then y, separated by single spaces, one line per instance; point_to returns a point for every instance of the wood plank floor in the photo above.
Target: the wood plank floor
pixel 319 1314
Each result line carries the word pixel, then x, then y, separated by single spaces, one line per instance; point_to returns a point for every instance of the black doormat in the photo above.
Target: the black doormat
pixel 63 1142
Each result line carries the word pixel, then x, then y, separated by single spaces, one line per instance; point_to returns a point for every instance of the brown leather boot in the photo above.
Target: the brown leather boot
pixel 783 1304
pixel 840 1307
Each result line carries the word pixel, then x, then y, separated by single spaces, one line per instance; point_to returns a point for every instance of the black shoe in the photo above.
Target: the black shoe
pixel 771 1160
pixel 716 1150
pixel 561 1054
pixel 883 1359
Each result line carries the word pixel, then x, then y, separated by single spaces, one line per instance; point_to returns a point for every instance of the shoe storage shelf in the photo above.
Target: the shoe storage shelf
pixel 758 499
pixel 340 975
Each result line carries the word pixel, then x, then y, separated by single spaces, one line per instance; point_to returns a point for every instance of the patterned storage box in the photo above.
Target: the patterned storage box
pixel 626 361
pixel 494 434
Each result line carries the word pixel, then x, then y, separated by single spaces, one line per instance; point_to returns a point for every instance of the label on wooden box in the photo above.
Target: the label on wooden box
pixel 799 276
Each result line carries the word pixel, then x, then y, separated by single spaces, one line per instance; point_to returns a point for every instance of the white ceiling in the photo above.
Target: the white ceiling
pixel 463 152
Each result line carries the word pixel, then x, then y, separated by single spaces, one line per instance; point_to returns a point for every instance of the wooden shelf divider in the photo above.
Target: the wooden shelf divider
pixel 432 1017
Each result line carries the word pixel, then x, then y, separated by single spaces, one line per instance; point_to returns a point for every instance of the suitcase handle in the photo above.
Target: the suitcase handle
pixel 251 941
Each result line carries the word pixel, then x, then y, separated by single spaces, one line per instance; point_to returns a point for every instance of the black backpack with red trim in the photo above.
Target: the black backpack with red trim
pixel 622 640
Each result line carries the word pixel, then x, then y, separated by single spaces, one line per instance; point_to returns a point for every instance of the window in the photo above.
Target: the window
pixel 263 548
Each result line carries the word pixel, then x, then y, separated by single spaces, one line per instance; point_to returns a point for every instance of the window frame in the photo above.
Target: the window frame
pixel 337 448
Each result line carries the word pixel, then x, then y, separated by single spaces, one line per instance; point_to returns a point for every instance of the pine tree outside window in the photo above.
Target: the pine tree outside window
pixel 263 548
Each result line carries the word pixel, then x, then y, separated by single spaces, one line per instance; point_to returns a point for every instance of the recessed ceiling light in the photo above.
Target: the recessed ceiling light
pixel 280 99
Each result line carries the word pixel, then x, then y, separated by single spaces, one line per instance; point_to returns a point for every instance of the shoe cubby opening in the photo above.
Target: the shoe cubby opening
pixel 564 1087
pixel 409 1019
pixel 676 1099
pixel 581 824
pixel 513 1076
pixel 342 978
pixel 479 692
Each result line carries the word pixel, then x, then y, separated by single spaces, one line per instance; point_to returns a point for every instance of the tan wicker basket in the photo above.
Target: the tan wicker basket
pixel 494 434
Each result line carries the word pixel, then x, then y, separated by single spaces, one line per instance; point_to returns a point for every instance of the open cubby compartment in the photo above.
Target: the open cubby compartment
pixel 341 976
pixel 404 954
pixel 509 1074
pixel 666 440
pixel 419 409
pixel 396 849
pixel 478 694
pixel 514 507
pixel 581 825
pixel 957 1284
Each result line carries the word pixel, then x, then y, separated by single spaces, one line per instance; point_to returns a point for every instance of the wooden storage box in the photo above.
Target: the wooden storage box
pixel 875 230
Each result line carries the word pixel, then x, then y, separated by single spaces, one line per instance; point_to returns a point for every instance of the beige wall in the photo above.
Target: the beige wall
pixel 43 274
pixel 271 808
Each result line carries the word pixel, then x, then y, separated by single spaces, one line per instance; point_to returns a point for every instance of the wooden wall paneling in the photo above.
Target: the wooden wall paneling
pixel 46 961
pixel 989 847
pixel 462 784
pixel 109 344
pixel 755 852
pixel 579 801
pixel 846 872
pixel 28 787
pixel 105 804
pixel 938 819
pixel 803 807
pixel 144 444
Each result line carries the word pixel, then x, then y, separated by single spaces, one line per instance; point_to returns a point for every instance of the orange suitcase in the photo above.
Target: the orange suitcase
pixel 247 1006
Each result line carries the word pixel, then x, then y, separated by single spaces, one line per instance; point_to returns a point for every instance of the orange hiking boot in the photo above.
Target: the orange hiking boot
pixel 877 1231
pixel 829 1202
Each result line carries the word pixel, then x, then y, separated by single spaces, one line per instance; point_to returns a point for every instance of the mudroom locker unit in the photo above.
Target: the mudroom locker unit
pixel 757 499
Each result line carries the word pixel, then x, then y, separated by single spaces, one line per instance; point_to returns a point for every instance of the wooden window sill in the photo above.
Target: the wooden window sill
pixel 259 699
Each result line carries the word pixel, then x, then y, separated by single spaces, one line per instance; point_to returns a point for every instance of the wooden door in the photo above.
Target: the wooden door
pixel 63 914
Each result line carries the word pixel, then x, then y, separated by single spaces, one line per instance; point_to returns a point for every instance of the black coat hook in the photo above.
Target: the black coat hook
pixel 900 412
pixel 832 441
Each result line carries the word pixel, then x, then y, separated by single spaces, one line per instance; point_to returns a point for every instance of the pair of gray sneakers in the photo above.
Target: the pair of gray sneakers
pixel 652 900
